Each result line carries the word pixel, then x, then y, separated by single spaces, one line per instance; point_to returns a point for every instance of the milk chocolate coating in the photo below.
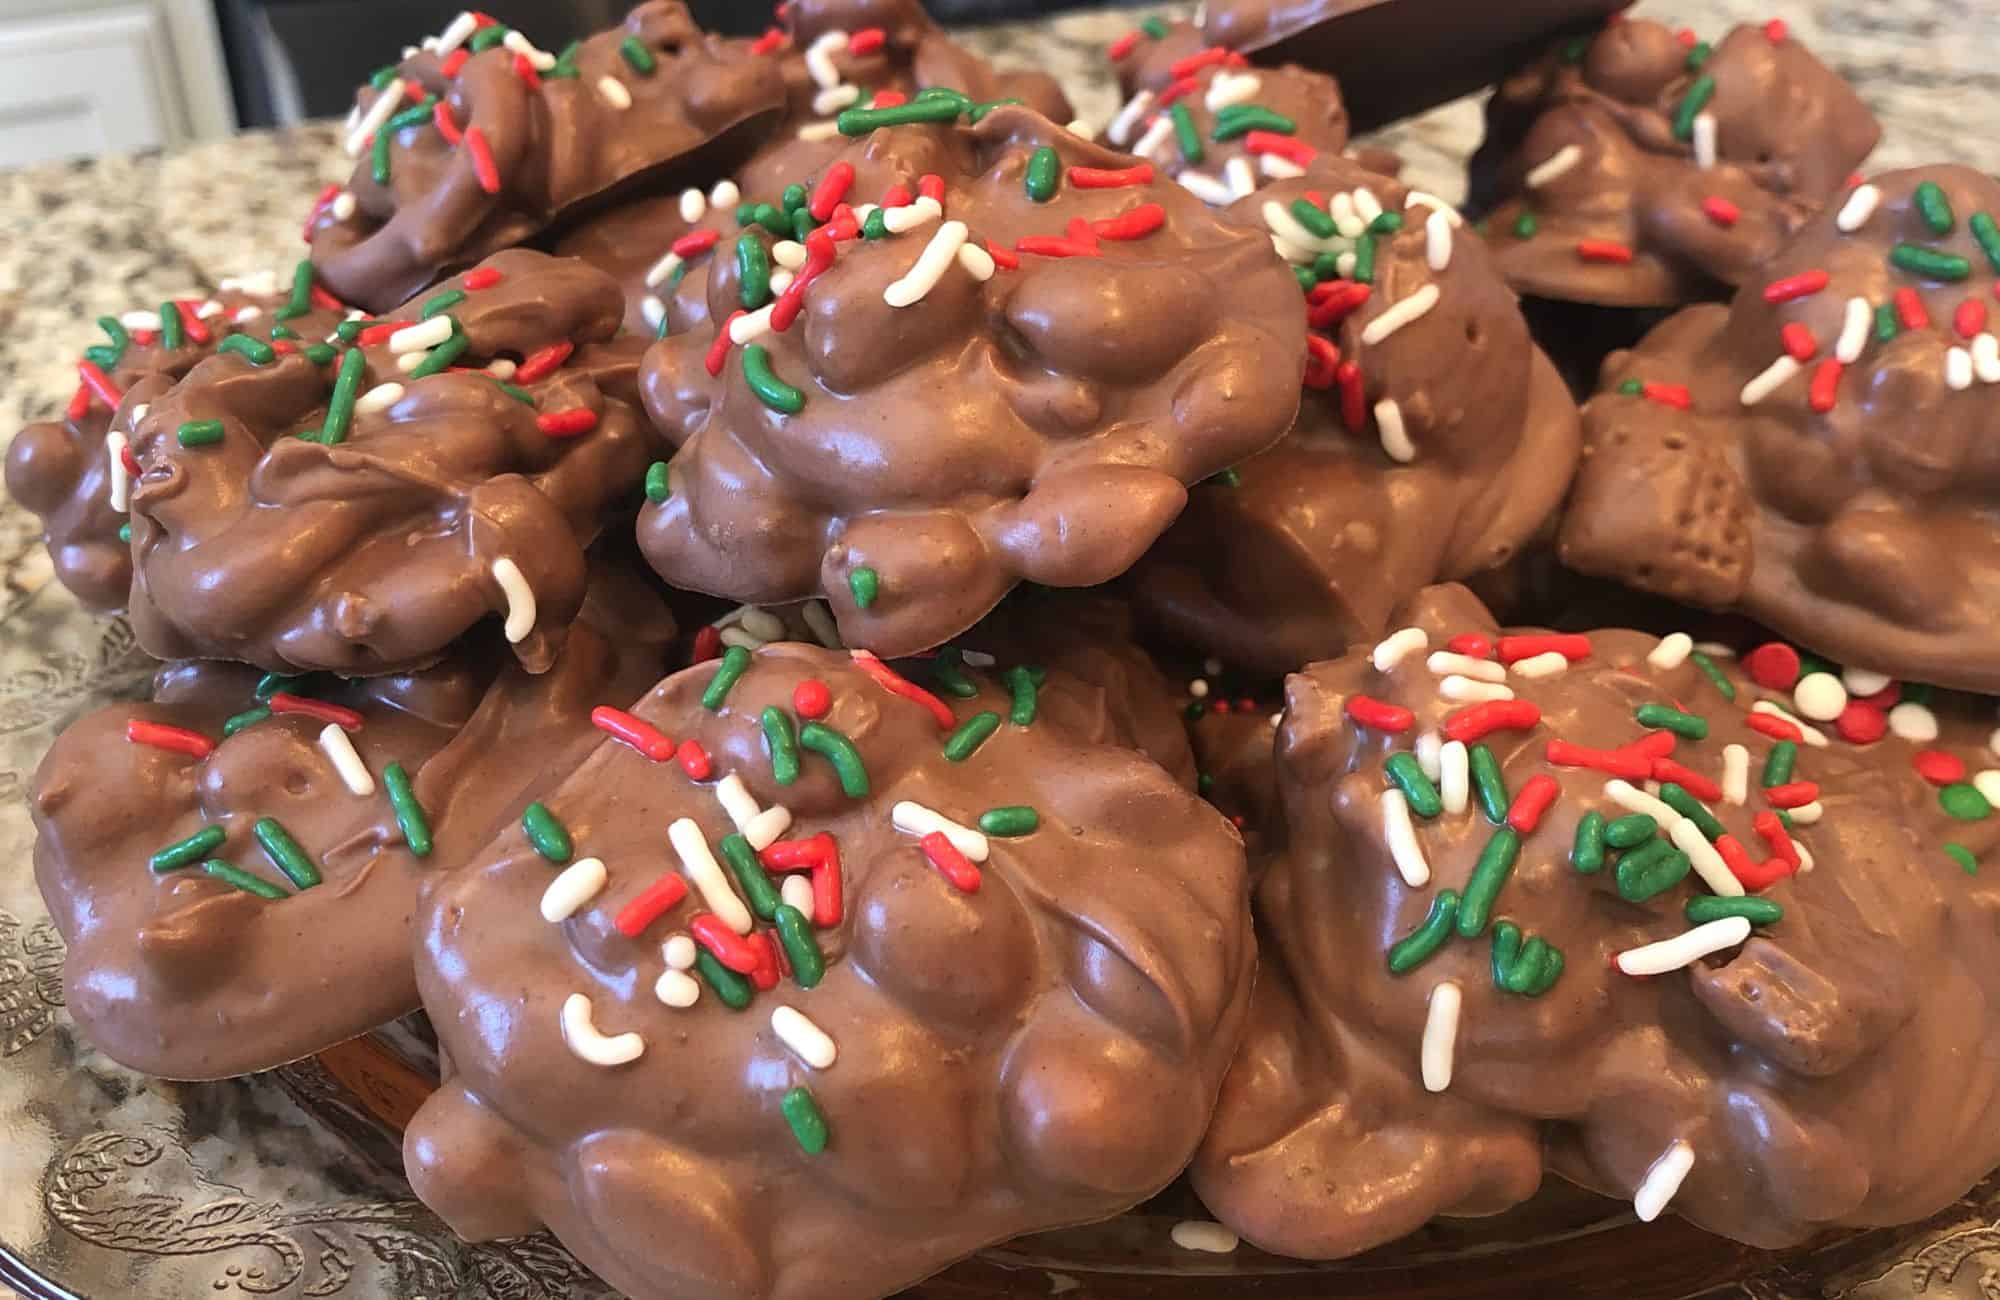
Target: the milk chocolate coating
pixel 556 147
pixel 1866 531
pixel 1788 132
pixel 372 555
pixel 1838 1068
pixel 1322 537
pixel 629 241
pixel 185 976
pixel 1039 426
pixel 1042 1051
pixel 61 469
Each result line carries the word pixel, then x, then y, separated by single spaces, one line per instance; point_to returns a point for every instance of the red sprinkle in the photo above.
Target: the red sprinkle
pixel 375 334
pixel 1721 211
pixel 1284 146
pixel 567 424
pixel 1794 287
pixel 1178 90
pixel 1885 699
pixel 447 125
pixel 524 68
pixel 1472 644
pixel 765 974
pixel 636 732
pixel 769 43
pixel 1770 724
pixel 483 165
pixel 1792 794
pixel 1571 646
pixel 1531 802
pixel 79 404
pixel 1107 178
pixel 707 645
pixel 1628 764
pixel 694 760
pixel 820 255
pixel 931 186
pixel 1603 250
pixel 129 461
pixel 1194 63
pixel 724 944
pixel 1330 303
pixel 1081 232
pixel 695 243
pixel 889 99
pixel 1371 712
pixel 1322 362
pixel 1136 224
pixel 811 699
pixel 1754 876
pixel 1780 840
pixel 1666 769
pixel 1798 341
pixel 161 736
pixel 718 351
pixel 1910 309
pixel 1480 720
pixel 1654 744
pixel 1674 395
pixel 345 719
pixel 1124 45
pixel 540 365
pixel 896 684
pixel 1686 37
pixel 100 383
pixel 867 40
pixel 454 63
pixel 1054 246
pixel 951 864
pixel 821 856
pixel 1937 767
pixel 1353 408
pixel 897 196
pixel 320 299
pixel 1775 31
pixel 1824 390
pixel 831 190
pixel 1773 666
pixel 652 903
pixel 1003 256
pixel 1861 723
pixel 1970 318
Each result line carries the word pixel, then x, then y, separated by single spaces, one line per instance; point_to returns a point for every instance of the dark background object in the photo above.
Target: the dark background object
pixel 296 59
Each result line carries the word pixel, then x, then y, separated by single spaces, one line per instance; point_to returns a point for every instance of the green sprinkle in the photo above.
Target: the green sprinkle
pixel 1696 99
pixel 1186 133
pixel 1386 224
pixel 107 357
pixel 1886 324
pixel 1551 969
pixel 1934 208
pixel 340 407
pixel 1010 821
pixel 958 97
pixel 732 988
pixel 418 114
pixel 254 350
pixel 1525 226
pixel 950 678
pixel 248 717
pixel 1155 28
pixel 1916 693
pixel 1487 783
pixel 876 226
pixel 794 198
pixel 125 532
pixel 1325 267
pixel 802 226
pixel 975 113
pixel 283 332
pixel 638 56
pixel 1757 911
pixel 442 303
pixel 1630 832
pixel 860 121
pixel 1574 49
pixel 1407 775
pixel 808 1124
pixel 971 734
pixel 1245 118
pixel 272 683
pixel 187 852
pixel 1044 169
pixel 383 76
pixel 173 327
pixel 1587 853
pixel 1228 478
pixel 735 662
pixel 772 218
pixel 1317 220
pixel 834 746
pixel 1666 718
pixel 320 353
pixel 230 874
pixel 1698 55
pixel 1651 870
pixel 865 585
pixel 443 356
pixel 1506 951
pixel 378 156
pixel 1716 678
pixel 1524 974
pixel 521 395
pixel 1929 263
pixel 1306 278
pixel 301 300
pixel 1987 235
pixel 1364 260
pixel 199 433
pixel 783 741
pixel 1422 943
pixel 547 834
pixel 753 267
pixel 795 933
pixel 409 813
pixel 1631 388
pixel 1678 799
pixel 658 488
pixel 285 853
pixel 1023 682
pixel 1963 857
pixel 1964 802
pixel 764 382
pixel 751 878
pixel 349 330
pixel 1778 763
pixel 1489 877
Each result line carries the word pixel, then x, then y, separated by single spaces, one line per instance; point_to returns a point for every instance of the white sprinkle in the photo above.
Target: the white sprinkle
pixel 579 882
pixel 1820 697
pixel 663 270
pixel 1397 646
pixel 121 481
pixel 1686 948
pixel 1206 188
pixel 1633 799
pixel 760 826
pixel 346 761
pixel 1279 168
pixel 1241 180
pixel 1430 754
pixel 1988 785
pixel 819 58
pixel 798 893
pixel 1957 369
pixel 820 620
pixel 1396 442
pixel 754 326
pixel 834 98
pixel 517 41
pixel 1859 207
pixel 1286 248
pixel 977 262
pixel 725 195
pixel 1555 165
pixel 501 369
pixel 1774 377
pixel 763 623
pixel 914 819
pixel 1424 199
pixel 380 111
pixel 1549 663
pixel 140 320
pixel 694 205
pixel 736 636
pixel 1704 140
pixel 614 93
pixel 1232 88
pixel 520 600
pixel 1467 690
pixel 1814 736
pixel 1198 688
pixel 1401 836
pixel 1437 239
pixel 1805 857
pixel 138 413
pixel 1735 774
pixel 1081 129
pixel 1446 662
pixel 1366 205
pixel 653 309
pixel 930 266
pixel 677 989
pixel 1708 863
pixel 820 132
pixel 1854 327
pixel 1128 117
pixel 1913 721
pixel 1156 135
pixel 806 1039
pixel 679 952
pixel 1807 814
pixel 1986 358
pixel 1672 651
pixel 458 33
pixel 698 861
pixel 244 315
pixel 912 216
pixel 379 398
pixel 421 337
pixel 583 1038
pixel 1455 776
pixel 1346 221
pixel 1863 681
pixel 1440 1043
pixel 1404 312
pixel 789 253
pixel 210 309
pixel 1209 1238
pixel 1662 1181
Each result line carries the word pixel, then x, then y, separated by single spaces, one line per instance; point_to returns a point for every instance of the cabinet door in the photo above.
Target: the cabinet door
pixel 83 86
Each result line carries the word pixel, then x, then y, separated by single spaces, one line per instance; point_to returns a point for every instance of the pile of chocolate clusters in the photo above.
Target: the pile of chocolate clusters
pixel 895 670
